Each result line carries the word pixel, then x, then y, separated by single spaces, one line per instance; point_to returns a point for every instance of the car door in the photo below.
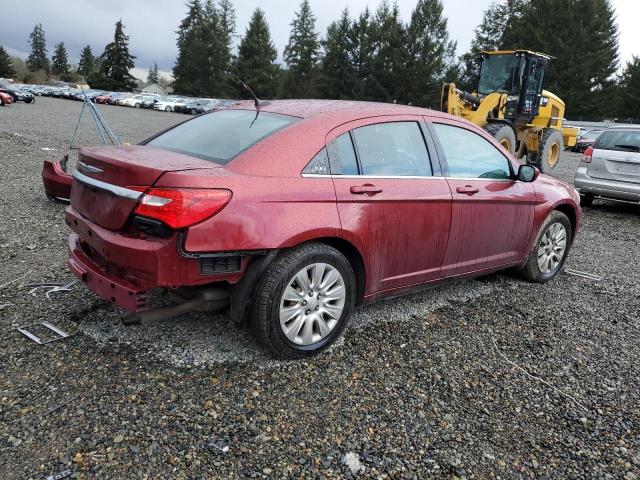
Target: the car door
pixel 492 212
pixel 393 203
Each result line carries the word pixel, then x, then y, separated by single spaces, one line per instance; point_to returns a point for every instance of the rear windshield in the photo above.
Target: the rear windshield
pixel 220 136
pixel 621 140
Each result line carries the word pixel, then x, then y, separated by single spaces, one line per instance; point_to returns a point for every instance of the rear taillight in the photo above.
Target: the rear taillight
pixel 181 207
pixel 586 156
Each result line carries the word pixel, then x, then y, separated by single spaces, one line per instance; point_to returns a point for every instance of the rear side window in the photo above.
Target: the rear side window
pixel 220 136
pixel 619 140
pixel 468 155
pixel 342 157
pixel 392 149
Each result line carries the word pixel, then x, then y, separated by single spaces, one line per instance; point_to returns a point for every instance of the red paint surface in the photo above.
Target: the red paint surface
pixel 412 232
pixel 57 182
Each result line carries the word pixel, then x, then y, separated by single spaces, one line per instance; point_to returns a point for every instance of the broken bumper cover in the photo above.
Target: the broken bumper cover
pixel 57 182
pixel 123 269
pixel 126 295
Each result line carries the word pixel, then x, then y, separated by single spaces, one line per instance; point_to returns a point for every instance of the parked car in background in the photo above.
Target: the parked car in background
pixel 117 97
pixel 610 168
pixel 136 100
pixel 586 140
pixel 104 98
pixel 168 104
pixel 149 102
pixel 5 99
pixel 288 216
pixel 189 106
pixel 206 106
pixel 16 94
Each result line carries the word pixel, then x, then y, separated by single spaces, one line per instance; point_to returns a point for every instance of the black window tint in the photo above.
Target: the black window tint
pixel 319 164
pixel 394 149
pixel 468 155
pixel 342 157
pixel 220 136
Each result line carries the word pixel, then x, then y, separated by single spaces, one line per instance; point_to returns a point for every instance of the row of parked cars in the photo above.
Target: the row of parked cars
pixel 168 103
pixel 10 93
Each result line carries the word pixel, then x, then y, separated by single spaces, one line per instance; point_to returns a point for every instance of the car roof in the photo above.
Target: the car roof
pixel 316 108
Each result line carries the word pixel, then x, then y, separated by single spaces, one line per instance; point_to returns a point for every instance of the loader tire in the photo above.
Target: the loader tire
pixel 504 135
pixel 548 157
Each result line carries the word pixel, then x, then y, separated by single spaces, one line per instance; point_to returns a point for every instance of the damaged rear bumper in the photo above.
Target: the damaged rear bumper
pixel 124 294
pixel 123 269
pixel 57 182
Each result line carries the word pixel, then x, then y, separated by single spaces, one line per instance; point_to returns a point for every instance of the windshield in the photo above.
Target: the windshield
pixel 498 74
pixel 220 136
pixel 620 140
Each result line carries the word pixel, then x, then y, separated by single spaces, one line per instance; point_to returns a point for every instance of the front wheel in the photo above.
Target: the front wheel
pixel 303 301
pixel 550 249
pixel 504 135
pixel 167 108
pixel 548 155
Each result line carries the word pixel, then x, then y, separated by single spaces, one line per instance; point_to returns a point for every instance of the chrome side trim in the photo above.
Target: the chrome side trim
pixel 107 187
pixel 402 177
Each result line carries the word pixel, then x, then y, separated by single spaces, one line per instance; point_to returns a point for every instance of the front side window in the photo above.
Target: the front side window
pixel 468 155
pixel 220 136
pixel 392 149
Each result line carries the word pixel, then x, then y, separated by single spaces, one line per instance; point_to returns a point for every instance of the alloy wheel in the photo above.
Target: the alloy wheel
pixel 312 303
pixel 552 247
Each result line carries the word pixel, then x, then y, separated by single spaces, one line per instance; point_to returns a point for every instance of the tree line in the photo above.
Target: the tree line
pixel 376 55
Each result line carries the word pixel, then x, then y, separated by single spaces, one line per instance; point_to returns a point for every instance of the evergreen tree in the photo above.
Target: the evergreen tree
pixel 38 57
pixel 361 36
pixel 6 64
pixel 190 70
pixel 337 71
pixel 60 60
pixel 388 75
pixel 582 77
pixel 215 34
pixel 87 62
pixel 256 56
pixel 629 105
pixel 154 75
pixel 431 53
pixel 116 63
pixel 301 53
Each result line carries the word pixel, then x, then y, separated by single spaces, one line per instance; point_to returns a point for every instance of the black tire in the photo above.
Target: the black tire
pixel 548 157
pixel 504 134
pixel 531 271
pixel 586 199
pixel 167 108
pixel 264 316
pixel 28 100
pixel 137 105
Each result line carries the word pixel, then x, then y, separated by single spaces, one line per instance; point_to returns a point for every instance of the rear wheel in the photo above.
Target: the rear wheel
pixel 549 250
pixel 303 301
pixel 548 156
pixel 167 108
pixel 504 134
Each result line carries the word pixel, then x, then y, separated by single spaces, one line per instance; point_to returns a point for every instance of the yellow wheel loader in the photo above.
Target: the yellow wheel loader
pixel 511 105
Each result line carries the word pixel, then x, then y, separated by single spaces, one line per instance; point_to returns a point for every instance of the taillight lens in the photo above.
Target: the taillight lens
pixel 181 207
pixel 586 156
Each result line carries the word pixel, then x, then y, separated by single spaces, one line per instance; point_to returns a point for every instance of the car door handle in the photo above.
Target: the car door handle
pixel 468 190
pixel 365 189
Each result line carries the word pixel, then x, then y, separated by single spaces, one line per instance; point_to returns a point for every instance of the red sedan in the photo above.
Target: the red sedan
pixel 5 99
pixel 291 214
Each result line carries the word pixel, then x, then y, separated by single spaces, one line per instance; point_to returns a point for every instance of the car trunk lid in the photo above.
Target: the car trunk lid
pixel 107 180
pixel 615 165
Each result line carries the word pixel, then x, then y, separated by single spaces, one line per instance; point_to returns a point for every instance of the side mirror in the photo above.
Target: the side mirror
pixel 527 173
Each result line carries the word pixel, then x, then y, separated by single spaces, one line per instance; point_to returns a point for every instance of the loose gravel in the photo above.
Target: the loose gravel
pixel 493 377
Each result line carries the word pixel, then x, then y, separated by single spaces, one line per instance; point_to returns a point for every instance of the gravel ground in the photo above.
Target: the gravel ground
pixel 492 377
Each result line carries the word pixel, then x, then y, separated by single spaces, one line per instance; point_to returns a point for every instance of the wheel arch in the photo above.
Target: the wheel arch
pixel 354 257
pixel 570 212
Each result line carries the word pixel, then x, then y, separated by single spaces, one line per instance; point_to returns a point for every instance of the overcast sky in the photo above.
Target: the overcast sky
pixel 151 24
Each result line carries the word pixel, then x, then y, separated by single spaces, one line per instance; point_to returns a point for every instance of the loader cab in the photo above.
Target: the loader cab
pixel 519 74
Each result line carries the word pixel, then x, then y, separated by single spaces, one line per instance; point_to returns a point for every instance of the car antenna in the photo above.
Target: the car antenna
pixel 257 102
